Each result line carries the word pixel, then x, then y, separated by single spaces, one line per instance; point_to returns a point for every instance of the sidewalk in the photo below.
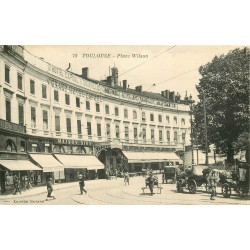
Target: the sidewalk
pixel 36 190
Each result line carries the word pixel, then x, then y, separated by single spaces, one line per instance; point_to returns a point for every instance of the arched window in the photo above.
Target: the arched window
pixel 10 146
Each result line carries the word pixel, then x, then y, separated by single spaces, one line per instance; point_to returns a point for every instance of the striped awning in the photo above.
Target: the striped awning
pixel 144 157
pixel 19 165
pixel 89 162
pixel 47 162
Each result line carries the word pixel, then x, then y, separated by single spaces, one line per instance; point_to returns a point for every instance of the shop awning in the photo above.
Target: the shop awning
pixel 144 157
pixel 19 165
pixel 80 161
pixel 48 162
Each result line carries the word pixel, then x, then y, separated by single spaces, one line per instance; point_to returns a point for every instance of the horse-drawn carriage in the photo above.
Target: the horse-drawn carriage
pixel 236 180
pixel 169 173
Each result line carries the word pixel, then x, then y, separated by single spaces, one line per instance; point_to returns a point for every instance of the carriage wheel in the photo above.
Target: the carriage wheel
pixel 192 187
pixel 226 190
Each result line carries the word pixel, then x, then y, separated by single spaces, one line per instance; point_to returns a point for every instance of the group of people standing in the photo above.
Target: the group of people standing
pixel 16 183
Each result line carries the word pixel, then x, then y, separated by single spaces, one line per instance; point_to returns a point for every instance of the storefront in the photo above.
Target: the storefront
pixel 19 168
pixel 88 165
pixel 50 165
pixel 137 161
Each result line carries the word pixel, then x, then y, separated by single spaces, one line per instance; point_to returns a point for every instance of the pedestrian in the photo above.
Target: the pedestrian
pixel 26 182
pixel 150 181
pixel 81 184
pixel 116 174
pixel 50 188
pixel 126 178
pixel 16 184
pixel 212 184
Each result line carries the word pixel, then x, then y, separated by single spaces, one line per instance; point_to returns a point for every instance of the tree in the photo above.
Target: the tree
pixel 224 90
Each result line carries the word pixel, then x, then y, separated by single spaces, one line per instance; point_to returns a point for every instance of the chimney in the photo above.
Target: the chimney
pixel 85 73
pixel 124 84
pixel 172 96
pixel 167 94
pixel 138 88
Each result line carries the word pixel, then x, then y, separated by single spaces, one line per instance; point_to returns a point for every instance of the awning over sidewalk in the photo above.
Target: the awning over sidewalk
pixel 80 161
pixel 48 162
pixel 19 165
pixel 144 157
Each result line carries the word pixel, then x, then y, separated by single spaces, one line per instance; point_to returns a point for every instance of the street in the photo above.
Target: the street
pixel 114 192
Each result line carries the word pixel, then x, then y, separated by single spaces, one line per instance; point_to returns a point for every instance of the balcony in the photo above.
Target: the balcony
pixel 13 127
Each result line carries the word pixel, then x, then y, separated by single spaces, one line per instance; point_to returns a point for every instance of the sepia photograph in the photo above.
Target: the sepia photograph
pixel 124 125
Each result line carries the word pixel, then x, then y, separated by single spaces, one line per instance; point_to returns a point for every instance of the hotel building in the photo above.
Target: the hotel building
pixel 55 121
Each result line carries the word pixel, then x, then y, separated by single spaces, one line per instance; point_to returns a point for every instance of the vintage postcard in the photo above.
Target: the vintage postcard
pixel 124 125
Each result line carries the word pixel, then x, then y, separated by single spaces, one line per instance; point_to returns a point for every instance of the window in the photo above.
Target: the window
pixel 79 127
pixel 45 119
pixel 126 133
pixel 44 91
pixel 182 121
pixel 168 136
pixel 8 110
pixel 99 130
pixel 23 146
pixel 125 113
pixel 135 134
pixel 117 131
pixel 32 87
pixel 151 117
pixel 7 74
pixel 107 109
pixel 144 138
pixel 175 120
pixel 67 99
pixel 57 122
pixel 116 111
pixel 19 81
pixel 134 114
pixel 97 107
pixel 175 136
pixel 68 124
pixel 159 118
pixel 152 135
pixel 143 116
pixel 89 128
pixel 167 119
pixel 183 136
pixel 108 129
pixel 20 114
pixel 33 117
pixel 77 102
pixel 160 135
pixel 87 105
pixel 56 95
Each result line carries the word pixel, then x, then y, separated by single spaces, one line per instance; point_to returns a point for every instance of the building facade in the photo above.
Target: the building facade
pixel 49 111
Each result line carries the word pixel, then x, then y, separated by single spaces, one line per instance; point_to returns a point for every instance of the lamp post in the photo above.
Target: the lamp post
pixel 191 123
pixel 205 126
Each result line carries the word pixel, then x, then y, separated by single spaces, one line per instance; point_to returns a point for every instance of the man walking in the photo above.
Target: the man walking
pixel 151 183
pixel 50 188
pixel 82 184
pixel 212 184
pixel 16 185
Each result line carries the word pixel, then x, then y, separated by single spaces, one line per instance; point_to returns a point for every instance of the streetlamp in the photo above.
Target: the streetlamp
pixel 192 129
pixel 205 126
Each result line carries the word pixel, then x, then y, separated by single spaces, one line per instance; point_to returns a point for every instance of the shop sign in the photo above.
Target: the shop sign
pixel 72 142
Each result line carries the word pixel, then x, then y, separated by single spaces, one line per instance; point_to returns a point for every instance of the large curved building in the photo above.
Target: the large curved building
pixel 63 123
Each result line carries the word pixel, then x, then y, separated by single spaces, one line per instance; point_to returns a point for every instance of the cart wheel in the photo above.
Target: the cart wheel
pixel 192 187
pixel 226 190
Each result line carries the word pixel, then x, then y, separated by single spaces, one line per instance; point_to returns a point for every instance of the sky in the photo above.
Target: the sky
pixel 156 68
